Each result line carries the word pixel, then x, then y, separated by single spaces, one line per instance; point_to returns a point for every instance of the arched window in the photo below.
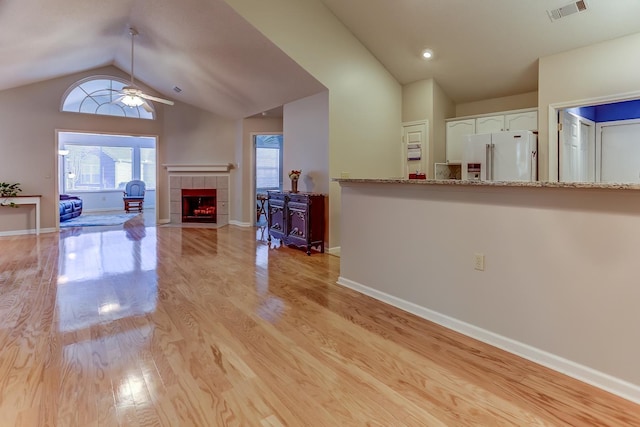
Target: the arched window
pixel 96 95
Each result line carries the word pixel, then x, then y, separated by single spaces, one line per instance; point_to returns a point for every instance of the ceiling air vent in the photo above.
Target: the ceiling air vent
pixel 570 9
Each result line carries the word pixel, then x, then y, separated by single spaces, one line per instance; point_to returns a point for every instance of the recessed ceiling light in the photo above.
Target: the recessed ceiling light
pixel 427 54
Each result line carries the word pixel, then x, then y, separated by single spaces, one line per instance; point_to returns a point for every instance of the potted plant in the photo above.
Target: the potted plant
pixel 9 190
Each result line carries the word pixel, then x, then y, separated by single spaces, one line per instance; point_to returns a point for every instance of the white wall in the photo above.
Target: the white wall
pixel 443 108
pixel 561 267
pixel 364 99
pixel 425 100
pixel 594 71
pixel 193 136
pixel 493 105
pixel 306 142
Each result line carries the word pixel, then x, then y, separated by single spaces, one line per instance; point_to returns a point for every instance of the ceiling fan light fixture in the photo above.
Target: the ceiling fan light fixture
pixel 132 101
pixel 131 95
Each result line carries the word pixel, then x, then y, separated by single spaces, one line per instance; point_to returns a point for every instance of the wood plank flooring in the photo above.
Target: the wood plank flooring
pixel 168 326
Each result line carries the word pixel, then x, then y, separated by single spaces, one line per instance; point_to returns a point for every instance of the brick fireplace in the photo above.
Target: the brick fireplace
pixel 206 191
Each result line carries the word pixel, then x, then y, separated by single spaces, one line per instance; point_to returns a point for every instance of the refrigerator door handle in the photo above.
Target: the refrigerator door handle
pixel 493 149
pixel 487 169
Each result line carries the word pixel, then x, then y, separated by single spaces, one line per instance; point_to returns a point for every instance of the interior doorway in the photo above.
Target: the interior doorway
pixel 593 115
pixel 577 139
pixel 95 168
pixel 268 159
pixel 415 148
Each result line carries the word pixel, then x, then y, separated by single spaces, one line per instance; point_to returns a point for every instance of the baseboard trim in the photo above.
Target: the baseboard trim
pixel 240 223
pixel 575 370
pixel 111 209
pixel 334 251
pixel 25 232
pixel 164 221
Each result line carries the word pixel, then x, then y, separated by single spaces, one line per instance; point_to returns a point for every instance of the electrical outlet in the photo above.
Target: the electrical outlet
pixel 478 262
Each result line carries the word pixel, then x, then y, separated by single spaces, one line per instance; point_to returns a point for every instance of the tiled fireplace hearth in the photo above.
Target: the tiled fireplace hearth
pixel 213 186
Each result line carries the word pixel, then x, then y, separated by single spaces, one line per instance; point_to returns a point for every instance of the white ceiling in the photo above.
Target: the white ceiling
pixel 483 48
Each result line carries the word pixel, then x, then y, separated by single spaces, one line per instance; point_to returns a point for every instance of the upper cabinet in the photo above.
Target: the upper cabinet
pixel 525 120
pixel 458 129
pixel 490 124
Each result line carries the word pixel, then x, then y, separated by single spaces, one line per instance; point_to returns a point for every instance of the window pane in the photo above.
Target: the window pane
pixel 117 167
pixel 94 96
pixel 94 85
pixel 88 106
pixel 95 168
pixel 90 166
pixel 268 162
pixel 73 100
pixel 110 110
pixel 148 167
pixel 267 168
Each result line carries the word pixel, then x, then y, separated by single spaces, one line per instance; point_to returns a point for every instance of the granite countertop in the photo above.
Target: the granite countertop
pixel 534 184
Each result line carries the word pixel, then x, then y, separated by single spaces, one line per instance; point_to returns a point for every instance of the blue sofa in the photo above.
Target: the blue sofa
pixel 70 207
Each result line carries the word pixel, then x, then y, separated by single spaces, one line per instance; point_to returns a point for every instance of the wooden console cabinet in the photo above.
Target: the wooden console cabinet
pixel 297 219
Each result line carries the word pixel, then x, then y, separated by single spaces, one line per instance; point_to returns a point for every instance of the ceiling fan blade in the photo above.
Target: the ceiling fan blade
pixel 118 98
pixel 147 107
pixel 153 98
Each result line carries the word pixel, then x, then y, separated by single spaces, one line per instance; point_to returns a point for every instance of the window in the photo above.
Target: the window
pixel 97 168
pixel 96 95
pixel 95 162
pixel 148 166
pixel 268 162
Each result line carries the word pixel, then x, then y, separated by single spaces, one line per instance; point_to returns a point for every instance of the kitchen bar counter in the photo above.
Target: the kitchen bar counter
pixel 457 182
pixel 557 280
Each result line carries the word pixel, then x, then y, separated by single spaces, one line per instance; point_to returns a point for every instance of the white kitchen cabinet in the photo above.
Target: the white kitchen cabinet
pixel 457 130
pixel 490 124
pixel 525 120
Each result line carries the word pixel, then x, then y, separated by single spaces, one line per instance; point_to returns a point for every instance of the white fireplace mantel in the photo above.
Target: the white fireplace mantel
pixel 198 168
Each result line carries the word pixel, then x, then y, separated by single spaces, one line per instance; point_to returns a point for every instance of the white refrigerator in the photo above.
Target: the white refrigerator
pixel 501 156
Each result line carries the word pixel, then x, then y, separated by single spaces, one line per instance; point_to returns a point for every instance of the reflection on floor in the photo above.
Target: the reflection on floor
pixel 129 264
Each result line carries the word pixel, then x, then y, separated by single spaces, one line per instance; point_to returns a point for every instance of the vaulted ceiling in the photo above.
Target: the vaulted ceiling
pixel 482 49
pixel 221 63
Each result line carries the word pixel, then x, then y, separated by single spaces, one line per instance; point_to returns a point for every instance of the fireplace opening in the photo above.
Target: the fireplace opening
pixel 199 205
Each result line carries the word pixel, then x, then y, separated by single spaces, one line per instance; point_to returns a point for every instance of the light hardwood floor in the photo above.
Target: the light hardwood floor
pixel 167 326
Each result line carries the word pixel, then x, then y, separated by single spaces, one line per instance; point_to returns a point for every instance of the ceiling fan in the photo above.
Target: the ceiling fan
pixel 131 95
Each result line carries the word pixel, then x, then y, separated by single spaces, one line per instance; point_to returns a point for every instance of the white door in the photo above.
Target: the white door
pixel 415 148
pixel 620 148
pixel 577 149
